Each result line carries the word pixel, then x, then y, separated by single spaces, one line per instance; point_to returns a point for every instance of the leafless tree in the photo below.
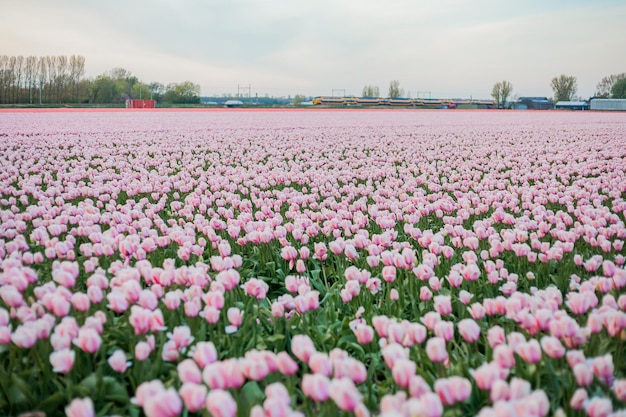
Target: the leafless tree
pixel 501 92
pixel 603 88
pixel 394 89
pixel 564 87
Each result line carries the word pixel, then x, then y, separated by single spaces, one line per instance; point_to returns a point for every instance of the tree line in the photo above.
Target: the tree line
pixel 60 80
pixel 565 88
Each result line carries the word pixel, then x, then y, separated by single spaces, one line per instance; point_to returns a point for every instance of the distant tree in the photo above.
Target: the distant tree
pixel 183 93
pixel 370 91
pixel 604 87
pixel 394 89
pixel 564 87
pixel 141 91
pixel 298 99
pixel 619 89
pixel 156 90
pixel 501 92
pixel 104 89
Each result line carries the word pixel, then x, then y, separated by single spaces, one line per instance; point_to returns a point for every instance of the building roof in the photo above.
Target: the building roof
pixel 572 103
pixel 535 99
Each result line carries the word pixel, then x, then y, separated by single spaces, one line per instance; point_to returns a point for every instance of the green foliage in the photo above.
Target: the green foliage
pixel 298 99
pixel 619 89
pixel 183 93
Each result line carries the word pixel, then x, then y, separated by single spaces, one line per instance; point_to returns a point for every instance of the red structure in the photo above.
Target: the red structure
pixel 140 104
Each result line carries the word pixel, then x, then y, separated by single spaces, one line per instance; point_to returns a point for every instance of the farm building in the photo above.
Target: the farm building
pixel 532 103
pixel 233 103
pixel 140 104
pixel 614 104
pixel 571 105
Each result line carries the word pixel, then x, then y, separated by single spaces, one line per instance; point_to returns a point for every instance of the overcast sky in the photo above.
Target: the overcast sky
pixel 450 48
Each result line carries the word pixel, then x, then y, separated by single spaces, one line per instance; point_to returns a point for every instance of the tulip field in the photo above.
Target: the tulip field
pixel 392 263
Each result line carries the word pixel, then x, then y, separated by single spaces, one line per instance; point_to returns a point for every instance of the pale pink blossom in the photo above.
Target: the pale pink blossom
pixel 80 407
pixel 220 403
pixel 118 361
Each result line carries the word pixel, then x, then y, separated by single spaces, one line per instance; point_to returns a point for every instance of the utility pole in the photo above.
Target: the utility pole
pixel 241 91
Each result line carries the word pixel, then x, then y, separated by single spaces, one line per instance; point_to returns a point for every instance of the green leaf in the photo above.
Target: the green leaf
pixel 19 391
pixel 52 404
pixel 111 389
pixel 275 337
pixel 251 394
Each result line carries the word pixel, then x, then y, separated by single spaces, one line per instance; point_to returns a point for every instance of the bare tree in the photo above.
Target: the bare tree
pixel 4 61
pixel 370 91
pixel 19 76
pixel 603 88
pixel 77 69
pixel 51 63
pixel 564 87
pixel 501 92
pixel 30 74
pixel 42 76
pixel 394 89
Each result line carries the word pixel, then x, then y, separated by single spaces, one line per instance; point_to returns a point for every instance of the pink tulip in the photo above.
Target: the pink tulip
pixel 364 334
pixel 583 374
pixel 256 288
pixel 469 330
pixel 345 394
pixel 118 361
pixel 221 404
pixel 166 403
pixel 499 391
pixel 619 387
pixel 88 340
pixel 204 353
pixel 389 273
pixel 485 375
pixel 603 368
pixel 181 336
pixel 552 347
pixel 188 371
pixel 80 407
pixel 529 351
pixel 302 347
pixel 578 399
pixel 403 370
pixel 430 405
pixel 286 365
pixel 443 304
pixel 193 395
pixel 436 349
pixel 445 330
pixel 425 294
pixel 62 360
pixel 599 407
pixel 24 336
pixel 316 387
pixel 235 316
pixel 503 356
pixel 142 351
